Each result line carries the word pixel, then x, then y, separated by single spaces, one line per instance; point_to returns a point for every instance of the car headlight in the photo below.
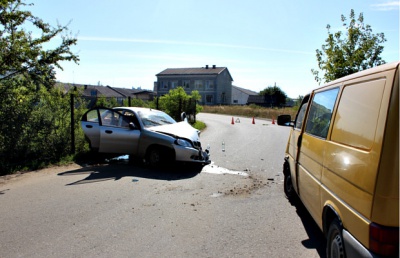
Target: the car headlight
pixel 183 143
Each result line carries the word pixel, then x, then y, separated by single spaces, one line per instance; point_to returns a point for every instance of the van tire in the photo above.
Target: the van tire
pixel 288 183
pixel 288 186
pixel 335 242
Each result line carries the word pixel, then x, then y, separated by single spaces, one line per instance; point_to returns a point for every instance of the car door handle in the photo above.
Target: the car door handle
pixel 89 126
pixel 109 131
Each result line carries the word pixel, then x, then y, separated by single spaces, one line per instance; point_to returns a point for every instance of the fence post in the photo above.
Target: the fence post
pixel 195 109
pixel 72 123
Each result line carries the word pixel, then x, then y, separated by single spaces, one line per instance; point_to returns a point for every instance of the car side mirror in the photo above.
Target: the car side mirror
pixel 132 126
pixel 285 120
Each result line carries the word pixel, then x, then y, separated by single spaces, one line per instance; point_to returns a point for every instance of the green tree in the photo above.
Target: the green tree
pixel 274 96
pixel 177 101
pixel 348 52
pixel 33 123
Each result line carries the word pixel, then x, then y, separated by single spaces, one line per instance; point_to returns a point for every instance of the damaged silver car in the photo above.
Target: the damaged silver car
pixel 143 133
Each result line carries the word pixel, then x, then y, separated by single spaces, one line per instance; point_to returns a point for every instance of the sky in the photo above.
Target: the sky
pixel 263 43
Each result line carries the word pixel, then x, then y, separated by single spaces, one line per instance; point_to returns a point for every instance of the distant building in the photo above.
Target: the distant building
pixel 268 101
pixel 240 96
pixel 93 92
pixel 213 83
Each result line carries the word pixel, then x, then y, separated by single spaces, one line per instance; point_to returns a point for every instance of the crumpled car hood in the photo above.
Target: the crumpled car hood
pixel 180 129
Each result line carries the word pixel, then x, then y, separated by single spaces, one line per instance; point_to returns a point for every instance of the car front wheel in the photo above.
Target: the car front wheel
pixel 154 157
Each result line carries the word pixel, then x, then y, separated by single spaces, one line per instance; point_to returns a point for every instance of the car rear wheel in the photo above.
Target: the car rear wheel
pixel 335 246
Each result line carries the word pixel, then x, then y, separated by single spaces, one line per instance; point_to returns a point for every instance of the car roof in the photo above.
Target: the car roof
pixel 137 109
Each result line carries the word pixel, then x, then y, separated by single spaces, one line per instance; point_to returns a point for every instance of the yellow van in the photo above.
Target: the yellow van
pixel 342 162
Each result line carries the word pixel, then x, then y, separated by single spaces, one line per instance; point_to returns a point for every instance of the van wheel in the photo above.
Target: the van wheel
pixel 288 186
pixel 335 243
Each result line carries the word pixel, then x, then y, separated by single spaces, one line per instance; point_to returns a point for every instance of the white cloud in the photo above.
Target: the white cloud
pixel 388 6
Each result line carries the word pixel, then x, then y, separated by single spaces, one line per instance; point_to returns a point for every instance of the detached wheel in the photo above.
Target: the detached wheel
pixel 335 243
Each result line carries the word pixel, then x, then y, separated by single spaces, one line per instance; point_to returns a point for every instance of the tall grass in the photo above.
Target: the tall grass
pixel 251 111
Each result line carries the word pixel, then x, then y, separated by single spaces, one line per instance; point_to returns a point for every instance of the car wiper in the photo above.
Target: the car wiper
pixel 151 121
pixel 165 121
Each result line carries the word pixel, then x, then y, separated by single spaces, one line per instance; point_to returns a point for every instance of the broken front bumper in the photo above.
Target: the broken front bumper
pixel 187 154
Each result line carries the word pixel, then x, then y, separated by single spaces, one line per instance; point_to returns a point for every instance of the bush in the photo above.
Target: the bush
pixel 177 101
pixel 35 128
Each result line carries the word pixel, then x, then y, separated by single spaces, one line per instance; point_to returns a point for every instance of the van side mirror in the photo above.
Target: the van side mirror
pixel 285 120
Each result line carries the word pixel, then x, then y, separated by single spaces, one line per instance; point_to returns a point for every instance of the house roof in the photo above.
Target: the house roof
pixel 246 91
pixel 124 91
pixel 207 70
pixel 106 91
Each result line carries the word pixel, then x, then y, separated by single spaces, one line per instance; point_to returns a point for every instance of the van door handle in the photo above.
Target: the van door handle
pixel 109 131
pixel 299 140
pixel 89 126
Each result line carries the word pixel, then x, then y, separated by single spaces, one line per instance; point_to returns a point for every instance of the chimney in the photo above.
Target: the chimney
pixel 206 66
pixel 214 66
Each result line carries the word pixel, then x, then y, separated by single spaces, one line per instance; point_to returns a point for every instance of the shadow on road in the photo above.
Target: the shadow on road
pixel 316 239
pixel 117 170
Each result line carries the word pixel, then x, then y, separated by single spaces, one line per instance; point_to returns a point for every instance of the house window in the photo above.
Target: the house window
pixel 164 85
pixel 209 85
pixel 120 100
pixel 198 84
pixel 209 99
pixel 186 84
pixel 173 84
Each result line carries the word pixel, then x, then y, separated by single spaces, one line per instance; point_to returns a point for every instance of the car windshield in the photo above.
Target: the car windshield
pixel 151 118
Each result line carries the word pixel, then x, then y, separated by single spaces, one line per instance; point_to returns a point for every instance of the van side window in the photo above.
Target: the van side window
pixel 300 116
pixel 319 116
pixel 302 111
pixel 357 114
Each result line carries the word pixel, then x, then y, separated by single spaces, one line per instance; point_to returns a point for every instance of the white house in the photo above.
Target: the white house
pixel 240 95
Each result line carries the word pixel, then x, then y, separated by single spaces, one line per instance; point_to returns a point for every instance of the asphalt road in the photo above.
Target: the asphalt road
pixel 234 207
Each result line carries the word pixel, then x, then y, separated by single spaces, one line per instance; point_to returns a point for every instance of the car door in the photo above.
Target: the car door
pixel 90 124
pixel 116 133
